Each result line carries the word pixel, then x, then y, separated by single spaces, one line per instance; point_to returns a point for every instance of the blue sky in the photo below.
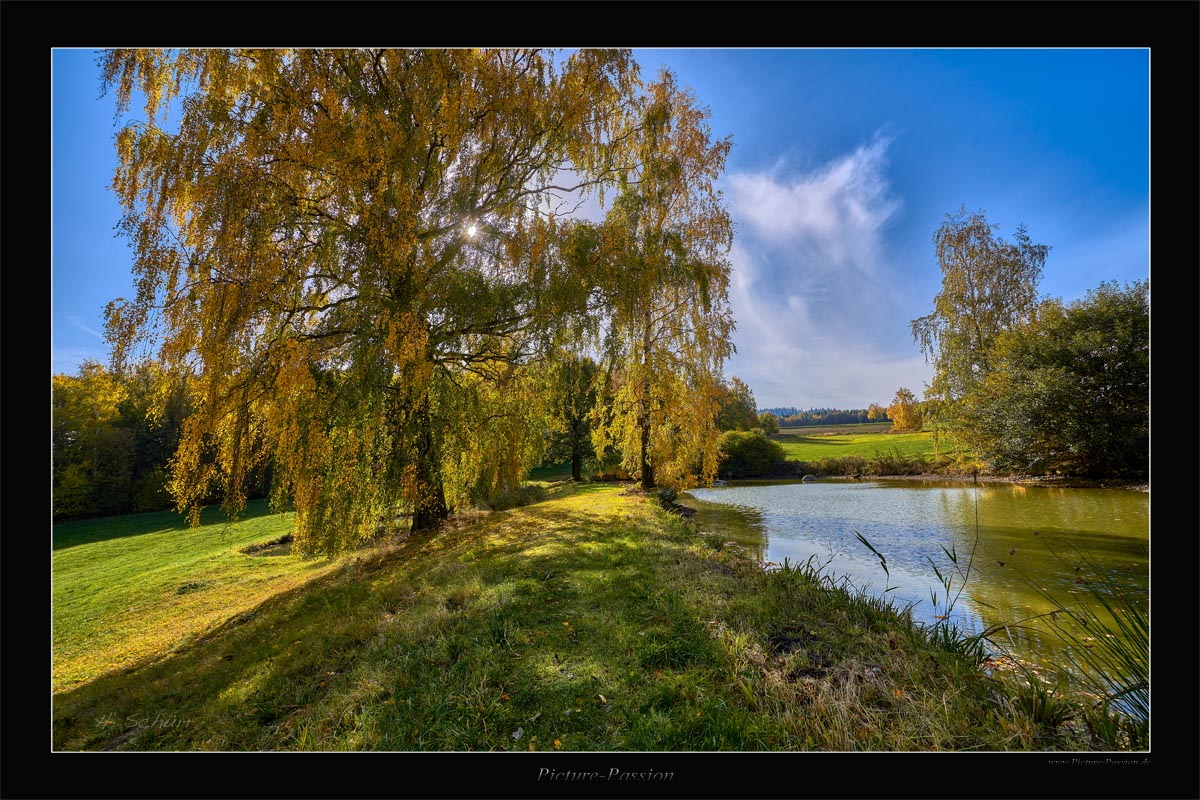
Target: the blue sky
pixel 843 165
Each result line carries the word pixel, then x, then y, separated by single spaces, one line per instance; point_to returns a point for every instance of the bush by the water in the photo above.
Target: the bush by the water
pixel 749 454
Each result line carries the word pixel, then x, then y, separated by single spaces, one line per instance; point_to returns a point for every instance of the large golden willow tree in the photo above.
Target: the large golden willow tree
pixel 667 333
pixel 354 252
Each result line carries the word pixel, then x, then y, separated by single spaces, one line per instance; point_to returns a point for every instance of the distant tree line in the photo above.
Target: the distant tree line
pixel 113 436
pixel 832 416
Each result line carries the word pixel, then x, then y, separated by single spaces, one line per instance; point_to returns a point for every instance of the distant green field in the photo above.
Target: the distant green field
pixel 810 444
pixel 850 427
pixel 125 588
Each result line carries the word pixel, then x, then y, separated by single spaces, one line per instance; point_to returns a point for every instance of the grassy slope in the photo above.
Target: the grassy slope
pixel 130 588
pixel 592 621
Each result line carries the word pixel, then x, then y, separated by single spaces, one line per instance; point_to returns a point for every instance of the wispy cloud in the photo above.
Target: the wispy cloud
pixel 818 323
pixel 831 217
pixel 79 323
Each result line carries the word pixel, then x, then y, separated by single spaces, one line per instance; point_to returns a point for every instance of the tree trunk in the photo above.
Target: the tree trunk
pixel 647 469
pixel 430 510
pixel 576 465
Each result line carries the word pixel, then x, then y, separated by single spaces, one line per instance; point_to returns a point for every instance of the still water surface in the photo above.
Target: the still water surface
pixel 1027 543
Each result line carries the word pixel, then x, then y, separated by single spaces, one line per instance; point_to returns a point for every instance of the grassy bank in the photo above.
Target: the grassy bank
pixel 591 621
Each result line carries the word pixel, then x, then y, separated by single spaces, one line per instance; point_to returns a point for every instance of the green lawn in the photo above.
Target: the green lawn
pixel 810 444
pixel 591 621
pixel 134 587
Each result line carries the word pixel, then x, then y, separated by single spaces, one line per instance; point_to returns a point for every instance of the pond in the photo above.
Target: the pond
pixel 1026 546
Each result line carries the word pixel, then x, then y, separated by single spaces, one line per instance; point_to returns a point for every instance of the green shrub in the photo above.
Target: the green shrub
pixel 749 455
pixel 895 463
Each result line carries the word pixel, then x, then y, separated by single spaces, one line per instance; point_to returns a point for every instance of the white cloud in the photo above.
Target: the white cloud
pixel 834 214
pixel 818 322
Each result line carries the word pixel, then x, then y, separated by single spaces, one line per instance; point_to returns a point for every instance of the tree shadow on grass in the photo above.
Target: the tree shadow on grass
pixel 101 529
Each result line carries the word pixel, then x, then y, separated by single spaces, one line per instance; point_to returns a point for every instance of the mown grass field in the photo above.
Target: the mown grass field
pixel 130 588
pixel 591 621
pixel 837 441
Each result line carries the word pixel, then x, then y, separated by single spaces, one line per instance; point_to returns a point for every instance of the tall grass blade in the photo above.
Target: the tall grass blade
pixel 879 555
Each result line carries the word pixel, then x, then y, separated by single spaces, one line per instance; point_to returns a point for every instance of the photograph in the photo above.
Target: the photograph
pixel 597 403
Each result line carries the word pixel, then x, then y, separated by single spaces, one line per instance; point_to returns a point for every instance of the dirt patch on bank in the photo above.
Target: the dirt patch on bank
pixel 276 547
